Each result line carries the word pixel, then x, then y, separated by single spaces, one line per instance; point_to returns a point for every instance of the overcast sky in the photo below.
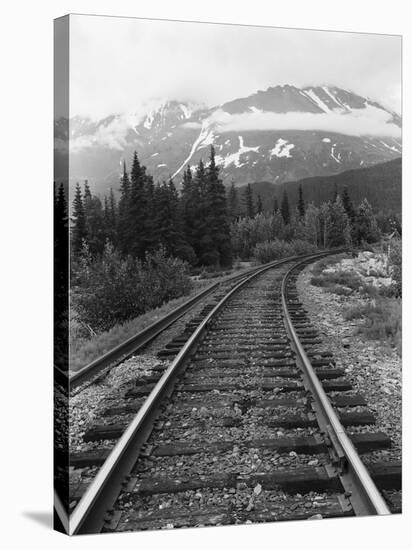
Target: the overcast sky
pixel 127 65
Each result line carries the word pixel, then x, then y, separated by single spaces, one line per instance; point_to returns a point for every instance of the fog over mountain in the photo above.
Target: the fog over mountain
pixel 280 134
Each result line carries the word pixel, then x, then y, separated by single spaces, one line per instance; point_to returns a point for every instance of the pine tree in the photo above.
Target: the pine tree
pixel 301 203
pixel 365 225
pixel 79 222
pixel 335 193
pixel 259 206
pixel 284 208
pixel 337 225
pixel 248 200
pixel 233 202
pixel 169 224
pixel 137 225
pixel 347 204
pixel 122 238
pixel 112 219
pixel 217 221
pixel 87 193
pixel 275 205
pixel 95 225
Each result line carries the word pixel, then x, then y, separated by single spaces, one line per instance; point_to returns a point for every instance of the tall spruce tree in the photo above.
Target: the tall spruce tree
pixel 111 219
pixel 248 201
pixel 365 225
pixel 337 226
pixel 217 221
pixel 259 205
pixel 347 204
pixel 301 203
pixel 122 238
pixel 284 208
pixel 275 206
pixel 233 202
pixel 79 222
pixel 169 223
pixel 137 223
pixel 95 225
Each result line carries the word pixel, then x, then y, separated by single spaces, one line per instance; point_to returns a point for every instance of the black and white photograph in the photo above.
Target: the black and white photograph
pixel 227 275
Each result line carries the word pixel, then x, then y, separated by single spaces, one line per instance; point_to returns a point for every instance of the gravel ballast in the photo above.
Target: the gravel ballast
pixel 372 366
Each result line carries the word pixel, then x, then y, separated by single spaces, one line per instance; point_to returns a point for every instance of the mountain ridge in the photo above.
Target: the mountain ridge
pixel 280 134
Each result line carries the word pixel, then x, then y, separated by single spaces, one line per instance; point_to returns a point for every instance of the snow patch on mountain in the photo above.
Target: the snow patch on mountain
pixel 148 121
pixel 335 99
pixel 282 148
pixel 187 112
pixel 234 158
pixel 204 136
pixel 332 154
pixel 316 99
pixel 390 147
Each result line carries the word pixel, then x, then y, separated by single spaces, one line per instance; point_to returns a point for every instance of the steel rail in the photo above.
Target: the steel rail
pixel 364 495
pixel 124 350
pixel 88 516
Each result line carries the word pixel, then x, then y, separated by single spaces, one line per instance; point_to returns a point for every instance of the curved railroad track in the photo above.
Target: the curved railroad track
pixel 249 423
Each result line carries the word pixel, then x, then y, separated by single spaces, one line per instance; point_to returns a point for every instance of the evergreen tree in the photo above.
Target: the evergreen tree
pixel 150 213
pixel 217 221
pixel 248 200
pixel 301 203
pixel 95 225
pixel 79 222
pixel 365 225
pixel 233 202
pixel 111 219
pixel 169 226
pixel 123 238
pixel 335 193
pixel 284 208
pixel 337 225
pixel 137 221
pixel 259 206
pixel 275 205
pixel 347 204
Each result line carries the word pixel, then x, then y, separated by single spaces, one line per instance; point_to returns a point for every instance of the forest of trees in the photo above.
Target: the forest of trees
pixel 134 253
pixel 335 223
pixel 192 226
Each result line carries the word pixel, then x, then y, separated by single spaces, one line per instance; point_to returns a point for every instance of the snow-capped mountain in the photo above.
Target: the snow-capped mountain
pixel 281 134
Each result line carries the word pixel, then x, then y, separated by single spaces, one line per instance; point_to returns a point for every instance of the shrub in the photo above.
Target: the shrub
pixel 346 279
pixel 395 264
pixel 112 290
pixel 382 320
pixel 277 249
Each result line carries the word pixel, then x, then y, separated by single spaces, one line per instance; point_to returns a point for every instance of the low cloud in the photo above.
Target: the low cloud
pixel 112 136
pixel 369 121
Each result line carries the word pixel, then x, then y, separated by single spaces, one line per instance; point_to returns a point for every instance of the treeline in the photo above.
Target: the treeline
pixel 334 223
pixel 192 225
pixel 381 184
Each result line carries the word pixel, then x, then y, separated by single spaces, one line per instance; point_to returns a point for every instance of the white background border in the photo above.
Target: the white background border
pixel 26 259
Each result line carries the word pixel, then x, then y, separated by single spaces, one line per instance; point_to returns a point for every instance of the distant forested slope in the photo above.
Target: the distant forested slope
pixel 380 184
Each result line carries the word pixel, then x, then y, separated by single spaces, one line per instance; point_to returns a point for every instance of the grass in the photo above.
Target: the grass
pixel 381 320
pixel 83 349
pixel 379 314
pixel 319 266
pixel 338 280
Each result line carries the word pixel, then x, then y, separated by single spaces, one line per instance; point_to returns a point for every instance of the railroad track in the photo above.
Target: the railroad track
pixel 249 423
